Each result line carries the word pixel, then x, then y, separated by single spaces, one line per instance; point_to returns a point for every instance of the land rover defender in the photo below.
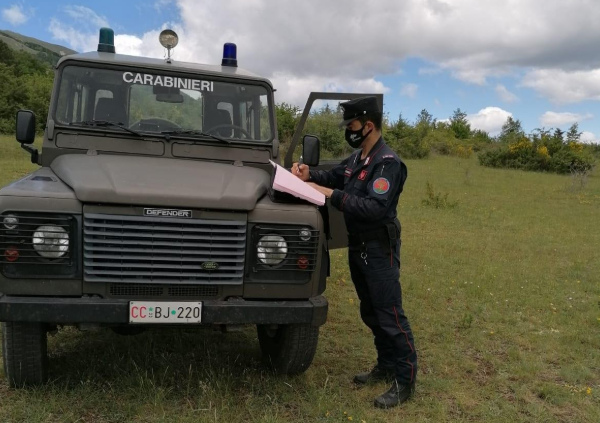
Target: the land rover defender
pixel 153 206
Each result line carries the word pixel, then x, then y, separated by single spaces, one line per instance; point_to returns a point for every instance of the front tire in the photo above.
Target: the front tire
pixel 288 349
pixel 25 353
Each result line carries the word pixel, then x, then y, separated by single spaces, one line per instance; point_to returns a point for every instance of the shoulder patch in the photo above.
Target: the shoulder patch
pixel 381 186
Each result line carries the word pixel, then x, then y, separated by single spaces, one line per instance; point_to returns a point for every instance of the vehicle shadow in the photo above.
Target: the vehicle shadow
pixel 170 357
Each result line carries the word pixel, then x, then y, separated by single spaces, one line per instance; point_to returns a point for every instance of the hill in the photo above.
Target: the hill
pixel 27 80
pixel 41 50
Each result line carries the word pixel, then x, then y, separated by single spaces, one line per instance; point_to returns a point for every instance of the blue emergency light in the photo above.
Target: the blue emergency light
pixel 229 55
pixel 106 41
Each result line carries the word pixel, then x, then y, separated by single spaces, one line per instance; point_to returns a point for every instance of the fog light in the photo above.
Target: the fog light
pixel 304 234
pixel 10 222
pixel 11 254
pixel 303 262
pixel 51 241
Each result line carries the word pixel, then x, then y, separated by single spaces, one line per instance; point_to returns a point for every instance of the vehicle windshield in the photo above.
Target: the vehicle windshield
pixel 163 103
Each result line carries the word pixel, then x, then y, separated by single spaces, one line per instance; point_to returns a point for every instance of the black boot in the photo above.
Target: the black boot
pixel 378 374
pixel 396 395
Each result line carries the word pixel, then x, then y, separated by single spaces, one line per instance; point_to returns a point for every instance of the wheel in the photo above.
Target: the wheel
pixel 288 349
pixel 24 349
pixel 218 128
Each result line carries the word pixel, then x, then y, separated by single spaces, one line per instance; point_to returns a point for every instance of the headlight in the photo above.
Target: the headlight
pixel 271 249
pixel 51 241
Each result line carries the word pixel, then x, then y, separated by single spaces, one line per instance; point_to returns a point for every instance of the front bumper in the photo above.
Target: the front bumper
pixel 102 311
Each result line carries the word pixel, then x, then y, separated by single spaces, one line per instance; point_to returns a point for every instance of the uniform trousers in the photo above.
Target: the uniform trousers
pixel 376 277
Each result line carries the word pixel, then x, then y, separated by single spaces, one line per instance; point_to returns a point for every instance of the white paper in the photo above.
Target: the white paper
pixel 284 181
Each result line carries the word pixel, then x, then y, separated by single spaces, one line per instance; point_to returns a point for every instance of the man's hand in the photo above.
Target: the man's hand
pixel 323 190
pixel 301 171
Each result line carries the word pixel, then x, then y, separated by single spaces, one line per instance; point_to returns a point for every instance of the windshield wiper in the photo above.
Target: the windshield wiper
pixel 106 123
pixel 195 132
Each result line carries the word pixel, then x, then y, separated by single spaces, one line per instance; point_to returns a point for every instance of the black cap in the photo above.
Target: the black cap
pixel 358 107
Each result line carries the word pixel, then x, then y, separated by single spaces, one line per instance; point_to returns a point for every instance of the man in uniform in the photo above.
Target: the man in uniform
pixel 366 187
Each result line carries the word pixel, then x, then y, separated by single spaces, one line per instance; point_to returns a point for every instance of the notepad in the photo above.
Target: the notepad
pixel 284 181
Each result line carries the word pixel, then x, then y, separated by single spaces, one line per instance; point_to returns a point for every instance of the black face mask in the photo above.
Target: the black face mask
pixel 355 138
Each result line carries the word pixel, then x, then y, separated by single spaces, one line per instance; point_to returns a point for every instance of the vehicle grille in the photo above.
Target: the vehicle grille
pixel 133 249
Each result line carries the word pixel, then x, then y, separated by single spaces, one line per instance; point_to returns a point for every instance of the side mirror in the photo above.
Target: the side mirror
pixel 310 150
pixel 25 126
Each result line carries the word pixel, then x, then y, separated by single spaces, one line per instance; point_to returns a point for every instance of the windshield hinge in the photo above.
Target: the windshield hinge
pixel 50 129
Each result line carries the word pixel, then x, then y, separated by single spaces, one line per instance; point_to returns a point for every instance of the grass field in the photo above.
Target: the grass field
pixel 502 292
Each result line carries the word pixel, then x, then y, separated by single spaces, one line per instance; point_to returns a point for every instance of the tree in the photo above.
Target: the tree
pixel 460 125
pixel 511 130
pixel 287 120
pixel 26 84
pixel 573 133
pixel 401 128
pixel 559 135
pixel 425 118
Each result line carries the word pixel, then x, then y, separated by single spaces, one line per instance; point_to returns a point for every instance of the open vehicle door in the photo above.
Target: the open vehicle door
pixel 337 226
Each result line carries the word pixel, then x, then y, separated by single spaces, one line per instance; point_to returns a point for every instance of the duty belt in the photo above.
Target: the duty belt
pixel 386 235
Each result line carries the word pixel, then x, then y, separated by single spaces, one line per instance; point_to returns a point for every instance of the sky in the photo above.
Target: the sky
pixel 535 60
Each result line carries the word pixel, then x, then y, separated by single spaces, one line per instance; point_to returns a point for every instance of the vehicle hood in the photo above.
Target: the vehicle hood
pixel 161 182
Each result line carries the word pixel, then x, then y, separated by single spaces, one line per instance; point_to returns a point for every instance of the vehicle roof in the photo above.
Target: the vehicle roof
pixel 150 63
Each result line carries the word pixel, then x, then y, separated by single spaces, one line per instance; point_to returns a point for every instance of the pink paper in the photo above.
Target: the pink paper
pixel 284 181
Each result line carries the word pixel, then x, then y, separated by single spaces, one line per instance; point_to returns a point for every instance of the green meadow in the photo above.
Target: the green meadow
pixel 500 283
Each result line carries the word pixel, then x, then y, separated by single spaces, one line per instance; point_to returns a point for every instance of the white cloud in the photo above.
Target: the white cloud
pixel 588 138
pixel 87 15
pixel 505 95
pixel 288 37
pixel 295 90
pixel 14 15
pixel 556 119
pixel 489 119
pixel 316 40
pixel 562 86
pixel 409 90
pixel 74 38
pixel 128 44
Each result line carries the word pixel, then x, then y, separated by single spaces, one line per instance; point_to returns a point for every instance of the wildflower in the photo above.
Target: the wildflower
pixel 491 332
pixel 350 418
pixel 327 414
pixel 575 146
pixel 588 390
pixel 543 151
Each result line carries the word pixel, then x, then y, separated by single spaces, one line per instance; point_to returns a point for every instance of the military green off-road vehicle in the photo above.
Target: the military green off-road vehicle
pixel 153 206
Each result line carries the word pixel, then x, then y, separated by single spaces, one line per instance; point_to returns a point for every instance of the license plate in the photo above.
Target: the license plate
pixel 165 312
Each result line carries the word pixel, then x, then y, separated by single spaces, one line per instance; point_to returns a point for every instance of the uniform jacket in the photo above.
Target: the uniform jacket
pixel 366 191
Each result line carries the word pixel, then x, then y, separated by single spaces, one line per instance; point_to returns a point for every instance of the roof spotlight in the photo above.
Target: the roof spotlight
pixel 168 39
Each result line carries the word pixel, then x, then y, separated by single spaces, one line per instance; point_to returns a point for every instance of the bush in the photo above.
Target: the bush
pixel 526 155
pixel 437 200
pixel 411 148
